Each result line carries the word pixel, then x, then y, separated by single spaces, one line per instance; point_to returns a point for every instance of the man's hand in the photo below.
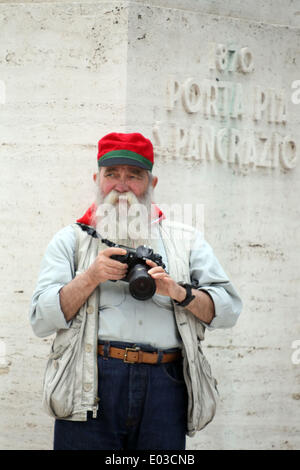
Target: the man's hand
pixel 201 306
pixel 165 285
pixel 73 295
pixel 104 268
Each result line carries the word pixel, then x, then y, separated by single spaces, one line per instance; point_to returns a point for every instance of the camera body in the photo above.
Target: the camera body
pixel 141 285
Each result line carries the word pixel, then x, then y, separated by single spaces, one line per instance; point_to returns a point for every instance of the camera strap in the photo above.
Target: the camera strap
pixel 93 233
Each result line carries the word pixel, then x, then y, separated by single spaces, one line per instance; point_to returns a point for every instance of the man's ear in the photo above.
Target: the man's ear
pixel 95 175
pixel 154 181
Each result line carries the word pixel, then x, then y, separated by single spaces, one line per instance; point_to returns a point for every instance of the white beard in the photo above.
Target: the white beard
pixel 125 219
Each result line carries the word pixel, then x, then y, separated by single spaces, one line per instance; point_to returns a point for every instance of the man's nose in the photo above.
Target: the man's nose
pixel 121 187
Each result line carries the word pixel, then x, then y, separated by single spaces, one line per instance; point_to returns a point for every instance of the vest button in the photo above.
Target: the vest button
pixel 88 347
pixel 87 387
pixel 90 309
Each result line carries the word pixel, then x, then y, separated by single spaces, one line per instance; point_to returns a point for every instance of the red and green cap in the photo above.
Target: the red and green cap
pixel 125 149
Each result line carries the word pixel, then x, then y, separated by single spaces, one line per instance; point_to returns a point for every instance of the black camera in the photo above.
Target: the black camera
pixel 141 284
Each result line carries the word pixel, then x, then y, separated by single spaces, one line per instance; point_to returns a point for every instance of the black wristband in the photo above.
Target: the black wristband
pixel 189 296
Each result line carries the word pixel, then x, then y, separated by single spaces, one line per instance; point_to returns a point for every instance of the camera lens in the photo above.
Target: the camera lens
pixel 141 285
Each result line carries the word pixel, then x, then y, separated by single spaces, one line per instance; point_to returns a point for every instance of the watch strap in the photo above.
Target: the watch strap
pixel 189 296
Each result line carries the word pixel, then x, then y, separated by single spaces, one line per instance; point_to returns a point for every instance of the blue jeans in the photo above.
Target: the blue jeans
pixel 142 406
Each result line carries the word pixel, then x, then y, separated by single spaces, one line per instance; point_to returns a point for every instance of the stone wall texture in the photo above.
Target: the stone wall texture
pixel 215 85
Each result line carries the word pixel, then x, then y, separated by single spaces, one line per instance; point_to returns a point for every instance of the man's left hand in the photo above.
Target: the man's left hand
pixel 165 285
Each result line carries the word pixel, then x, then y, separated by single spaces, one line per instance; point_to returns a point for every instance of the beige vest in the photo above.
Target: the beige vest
pixel 71 377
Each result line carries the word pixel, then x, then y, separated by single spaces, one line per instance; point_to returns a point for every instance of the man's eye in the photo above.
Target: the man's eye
pixel 136 176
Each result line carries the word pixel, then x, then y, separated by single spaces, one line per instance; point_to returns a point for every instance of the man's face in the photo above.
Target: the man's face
pixel 118 187
pixel 124 178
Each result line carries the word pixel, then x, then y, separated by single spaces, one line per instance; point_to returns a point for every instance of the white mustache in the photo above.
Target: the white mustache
pixel 114 196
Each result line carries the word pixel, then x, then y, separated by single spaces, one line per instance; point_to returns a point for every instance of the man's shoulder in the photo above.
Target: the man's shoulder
pixel 65 237
pixel 67 231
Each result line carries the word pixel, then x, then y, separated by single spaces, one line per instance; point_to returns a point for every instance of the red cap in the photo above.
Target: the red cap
pixel 125 149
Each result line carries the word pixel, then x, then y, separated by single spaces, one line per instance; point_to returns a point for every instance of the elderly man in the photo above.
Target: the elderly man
pixel 126 370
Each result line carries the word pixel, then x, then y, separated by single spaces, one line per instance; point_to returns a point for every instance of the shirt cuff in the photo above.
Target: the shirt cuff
pixel 225 314
pixel 49 315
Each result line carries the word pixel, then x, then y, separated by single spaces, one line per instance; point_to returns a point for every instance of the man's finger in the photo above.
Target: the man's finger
pixel 116 269
pixel 114 251
pixel 159 275
pixel 114 277
pixel 156 269
pixel 150 262
pixel 113 263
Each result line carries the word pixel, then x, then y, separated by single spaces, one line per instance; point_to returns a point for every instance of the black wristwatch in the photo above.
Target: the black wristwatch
pixel 189 296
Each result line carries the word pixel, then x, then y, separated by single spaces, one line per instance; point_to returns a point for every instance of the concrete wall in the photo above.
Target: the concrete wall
pixel 227 139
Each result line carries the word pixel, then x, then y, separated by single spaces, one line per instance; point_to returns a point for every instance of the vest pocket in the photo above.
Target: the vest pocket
pixel 59 379
pixel 207 391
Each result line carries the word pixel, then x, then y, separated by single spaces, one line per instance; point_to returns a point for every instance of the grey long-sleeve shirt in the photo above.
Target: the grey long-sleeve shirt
pixel 125 318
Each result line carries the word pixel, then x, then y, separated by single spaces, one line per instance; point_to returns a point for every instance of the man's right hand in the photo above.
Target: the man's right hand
pixel 104 268
pixel 73 295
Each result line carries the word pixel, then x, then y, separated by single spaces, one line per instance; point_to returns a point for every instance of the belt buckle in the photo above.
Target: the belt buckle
pixel 136 348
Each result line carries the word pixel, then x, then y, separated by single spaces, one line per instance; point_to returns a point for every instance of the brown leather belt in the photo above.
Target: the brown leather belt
pixel 136 355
